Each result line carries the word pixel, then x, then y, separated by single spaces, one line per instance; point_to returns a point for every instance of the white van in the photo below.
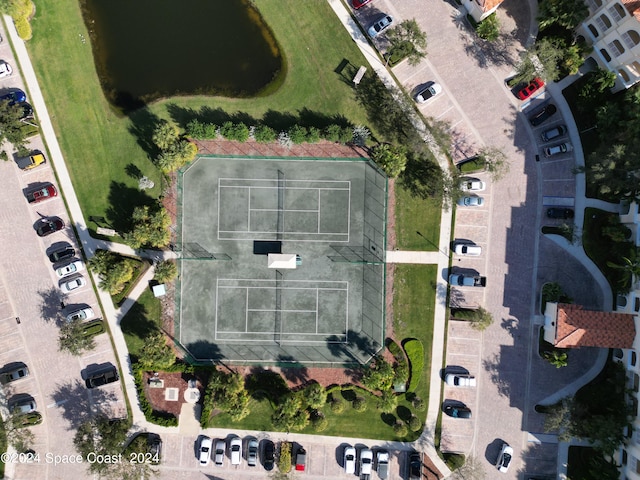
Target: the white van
pixel 467 249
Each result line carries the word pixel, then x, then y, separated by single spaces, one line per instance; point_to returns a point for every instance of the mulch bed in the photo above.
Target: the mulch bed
pixel 178 380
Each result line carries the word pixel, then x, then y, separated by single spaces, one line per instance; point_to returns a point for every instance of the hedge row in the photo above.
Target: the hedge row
pixel 240 132
pixel 415 353
pixel 153 416
pixel 401 368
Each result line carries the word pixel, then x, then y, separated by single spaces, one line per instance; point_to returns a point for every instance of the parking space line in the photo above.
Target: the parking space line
pixel 57 404
pixel 450 107
pixel 13 349
pixel 93 354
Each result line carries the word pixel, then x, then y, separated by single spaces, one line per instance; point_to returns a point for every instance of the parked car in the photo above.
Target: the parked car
pixel 428 92
pixel 350 460
pixel 14 373
pixel 554 132
pixel 252 452
pixel 47 192
pixel 472 185
pixel 13 97
pixel 360 3
pixel 218 456
pixel 460 380
pixel 61 254
pixel 204 452
pixel 535 85
pixel 22 406
pixel 75 283
pixel 103 377
pixel 5 69
pixel 543 114
pixel 467 280
pixel 382 464
pixel 415 466
pixel 382 23
pixel 301 460
pixel 155 447
pixel 457 411
pixel 556 212
pixel 69 269
pixel 27 110
pixel 558 149
pixel 504 458
pixel 366 461
pixel 471 201
pixel 268 455
pixel 235 450
pixel 81 314
pixel 47 226
pixel 467 249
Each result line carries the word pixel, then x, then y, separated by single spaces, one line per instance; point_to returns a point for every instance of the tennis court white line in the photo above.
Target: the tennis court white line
pixel 316 240
pixel 286 233
pixel 317 308
pixel 285 288
pixel 281 310
pixel 319 201
pixel 265 280
pixel 244 179
pixel 246 309
pixel 284 210
pixel 330 189
pixel 322 340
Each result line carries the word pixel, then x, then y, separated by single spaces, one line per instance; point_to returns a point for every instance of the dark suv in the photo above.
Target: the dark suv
pixel 543 114
pixel 102 377
pixel 415 466
pixel 61 254
pixel 556 212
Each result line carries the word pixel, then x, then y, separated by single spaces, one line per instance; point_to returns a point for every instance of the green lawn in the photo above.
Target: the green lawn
pixel 141 321
pixel 415 215
pixel 101 146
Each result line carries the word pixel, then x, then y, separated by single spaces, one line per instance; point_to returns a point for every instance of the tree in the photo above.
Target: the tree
pixel 560 419
pixel 165 271
pixel 315 395
pixel 390 158
pixel 378 375
pixel 74 339
pixel 408 40
pixel 472 469
pixel 556 358
pixel 11 124
pixel 165 135
pixel 226 392
pixel 156 354
pixel 565 13
pixel 102 436
pixel 542 59
pixel 150 227
pixel 175 151
pixel 291 414
pixel 113 270
pixel 489 28
pixel 18 436
pixel 495 162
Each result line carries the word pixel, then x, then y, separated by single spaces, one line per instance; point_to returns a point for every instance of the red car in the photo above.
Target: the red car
pixel 42 194
pixel 360 3
pixel 535 85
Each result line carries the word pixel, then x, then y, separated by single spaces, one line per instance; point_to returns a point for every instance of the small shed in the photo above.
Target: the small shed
pixel 282 261
pixel 159 290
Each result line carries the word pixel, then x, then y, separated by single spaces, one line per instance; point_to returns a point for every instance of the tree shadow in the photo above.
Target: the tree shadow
pixel 201 351
pixel 422 176
pixel 78 406
pixel 388 418
pixel 492 367
pixel 53 300
pixel 122 202
pixel 404 413
pixel 133 171
pixel 295 372
pixel 143 123
pixel 261 382
pixel 309 118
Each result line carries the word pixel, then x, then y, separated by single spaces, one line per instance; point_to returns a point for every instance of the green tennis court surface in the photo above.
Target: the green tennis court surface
pixel 282 260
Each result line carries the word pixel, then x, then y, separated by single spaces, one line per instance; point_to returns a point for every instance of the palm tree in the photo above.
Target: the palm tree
pixel 630 267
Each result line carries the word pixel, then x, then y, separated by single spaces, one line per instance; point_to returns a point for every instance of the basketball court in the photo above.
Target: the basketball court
pixel 282 261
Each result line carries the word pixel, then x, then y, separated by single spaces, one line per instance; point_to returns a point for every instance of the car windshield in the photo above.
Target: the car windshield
pixel 506 459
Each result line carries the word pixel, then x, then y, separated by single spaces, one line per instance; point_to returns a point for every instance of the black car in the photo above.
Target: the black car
pixel 102 378
pixel 47 226
pixel 61 254
pixel 560 213
pixel 155 447
pixel 27 110
pixel 268 455
pixel 415 466
pixel 543 114
pixel 457 411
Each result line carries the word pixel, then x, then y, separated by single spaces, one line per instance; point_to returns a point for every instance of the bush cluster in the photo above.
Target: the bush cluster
pixel 415 353
pixel 284 457
pixel 296 134
pixel 400 367
pixel 153 416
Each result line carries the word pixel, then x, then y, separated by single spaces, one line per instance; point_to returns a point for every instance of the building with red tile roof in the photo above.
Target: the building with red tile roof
pixel 481 9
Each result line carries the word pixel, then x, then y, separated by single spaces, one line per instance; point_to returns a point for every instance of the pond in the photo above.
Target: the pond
pixel 150 49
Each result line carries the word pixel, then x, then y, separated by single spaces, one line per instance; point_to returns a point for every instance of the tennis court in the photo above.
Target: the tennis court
pixel 282 260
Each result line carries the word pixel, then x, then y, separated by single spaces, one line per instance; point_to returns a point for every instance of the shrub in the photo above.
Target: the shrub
pixel 284 457
pixel 489 28
pixel 401 368
pixel 387 402
pixel 480 318
pixel 337 405
pixel 333 133
pixel 313 135
pixel 235 131
pixel 23 27
pixel 359 404
pixel 453 460
pixel 319 422
pixel 415 353
pixel 211 131
pixel 414 423
pixel 346 136
pixel 378 375
pixel 315 395
pixel 400 429
pixel 195 129
pixel 264 134
pixel 93 328
pixel 153 416
pixel 298 134
pixel 419 404
pixel 166 271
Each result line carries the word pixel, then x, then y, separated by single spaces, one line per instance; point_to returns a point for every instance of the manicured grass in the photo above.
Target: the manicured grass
pixel 140 322
pixel 413 309
pixel 3 446
pixel 101 146
pixel 415 215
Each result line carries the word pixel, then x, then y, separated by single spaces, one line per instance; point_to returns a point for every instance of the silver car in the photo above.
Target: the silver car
pixel 81 314
pixel 380 25
pixel 557 149
pixel 218 458
pixel 252 452
pixel 552 133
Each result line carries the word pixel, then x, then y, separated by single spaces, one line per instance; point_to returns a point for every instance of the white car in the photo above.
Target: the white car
pixel 5 69
pixel 235 448
pixel 471 201
pixel 205 451
pixel 472 185
pixel 504 459
pixel 467 249
pixel 219 453
pixel 366 462
pixel 82 314
pixel 460 380
pixel 73 284
pixel 69 269
pixel 379 25
pixel 350 460
pixel 558 149
pixel 429 92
